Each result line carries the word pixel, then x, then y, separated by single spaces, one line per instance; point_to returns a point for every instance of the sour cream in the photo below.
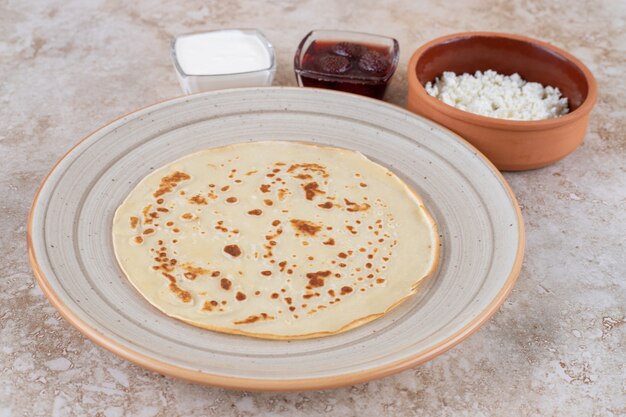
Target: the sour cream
pixel 223 59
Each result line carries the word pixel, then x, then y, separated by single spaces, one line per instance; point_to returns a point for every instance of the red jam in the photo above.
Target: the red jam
pixel 357 68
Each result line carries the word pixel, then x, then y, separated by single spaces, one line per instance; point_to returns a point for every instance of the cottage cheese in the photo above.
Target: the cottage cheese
pixel 495 95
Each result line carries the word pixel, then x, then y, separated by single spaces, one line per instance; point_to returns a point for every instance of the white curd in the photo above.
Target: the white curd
pixel 501 96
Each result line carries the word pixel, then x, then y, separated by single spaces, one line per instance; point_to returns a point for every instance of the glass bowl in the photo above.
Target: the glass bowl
pixel 195 83
pixel 319 44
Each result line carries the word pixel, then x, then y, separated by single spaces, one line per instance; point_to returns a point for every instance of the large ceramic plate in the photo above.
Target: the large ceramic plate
pixel 71 251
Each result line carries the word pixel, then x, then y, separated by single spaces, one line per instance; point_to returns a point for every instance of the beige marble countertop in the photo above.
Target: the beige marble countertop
pixel 556 347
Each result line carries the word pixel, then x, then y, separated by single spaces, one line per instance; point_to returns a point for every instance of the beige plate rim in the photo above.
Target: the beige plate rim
pixel 251 384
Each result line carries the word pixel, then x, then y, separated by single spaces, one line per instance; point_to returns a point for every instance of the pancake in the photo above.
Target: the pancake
pixel 278 240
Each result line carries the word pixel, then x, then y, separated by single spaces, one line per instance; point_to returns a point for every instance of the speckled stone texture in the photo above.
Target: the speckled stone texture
pixel 556 347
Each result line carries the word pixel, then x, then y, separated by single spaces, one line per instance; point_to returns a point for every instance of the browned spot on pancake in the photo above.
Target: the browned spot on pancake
pixel 225 188
pixel 192 272
pixel 303 177
pixel 134 221
pixel 162 210
pixel 362 184
pixel 292 308
pixel 329 242
pixel 319 169
pixel 346 290
pixel 197 199
pixel 184 296
pixel 288 300
pixel 354 207
pixel 311 190
pixel 306 227
pixel 147 219
pixel 148 231
pixel 275 222
pixel 255 212
pixel 326 205
pixel 316 279
pixel 266 273
pixel 310 295
pixel 342 255
pixel 240 296
pixel 138 240
pixel 351 229
pixel 209 305
pixel 187 216
pixel 254 318
pixel 265 188
pixel 275 295
pixel 251 172
pixel 169 182
pixel 231 200
pixel 232 250
pixel 282 193
pixel 379 280
pixel 212 195
pixel 225 283
pixel 220 226
pixel 268 202
pixel 160 201
pixel 215 274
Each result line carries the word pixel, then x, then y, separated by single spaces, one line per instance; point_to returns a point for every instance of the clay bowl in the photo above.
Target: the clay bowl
pixel 510 145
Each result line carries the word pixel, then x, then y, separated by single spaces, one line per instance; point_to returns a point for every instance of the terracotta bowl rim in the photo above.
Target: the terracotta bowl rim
pixel 416 87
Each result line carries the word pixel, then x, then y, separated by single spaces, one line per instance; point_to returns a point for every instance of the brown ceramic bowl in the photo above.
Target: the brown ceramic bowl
pixel 510 145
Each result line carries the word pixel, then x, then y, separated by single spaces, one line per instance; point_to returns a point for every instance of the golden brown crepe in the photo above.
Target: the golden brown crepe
pixel 280 240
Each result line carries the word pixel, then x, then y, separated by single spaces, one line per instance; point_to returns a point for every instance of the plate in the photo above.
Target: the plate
pixel 70 248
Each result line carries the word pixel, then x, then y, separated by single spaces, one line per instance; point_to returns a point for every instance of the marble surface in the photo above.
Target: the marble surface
pixel 556 347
